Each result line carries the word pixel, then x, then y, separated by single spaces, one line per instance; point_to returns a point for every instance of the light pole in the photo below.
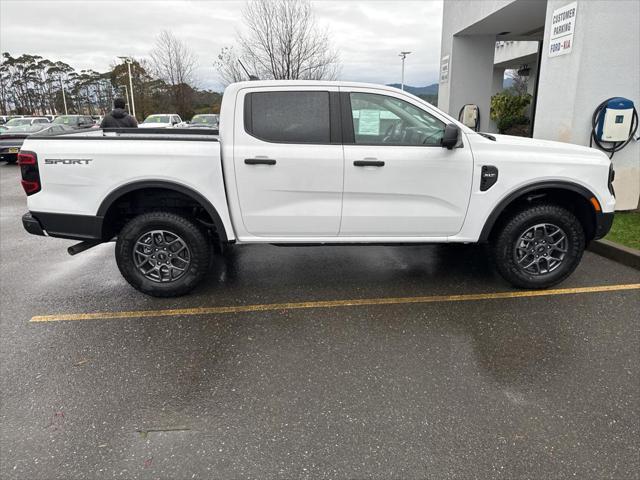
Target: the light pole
pixel 403 55
pixel 64 97
pixel 129 61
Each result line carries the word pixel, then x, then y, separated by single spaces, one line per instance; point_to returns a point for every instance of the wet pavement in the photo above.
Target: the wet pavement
pixel 540 387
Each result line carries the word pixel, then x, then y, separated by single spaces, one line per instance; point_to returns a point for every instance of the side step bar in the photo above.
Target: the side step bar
pixel 82 246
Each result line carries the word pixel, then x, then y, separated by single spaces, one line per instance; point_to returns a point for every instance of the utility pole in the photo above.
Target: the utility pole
pixel 64 97
pixel 129 61
pixel 403 55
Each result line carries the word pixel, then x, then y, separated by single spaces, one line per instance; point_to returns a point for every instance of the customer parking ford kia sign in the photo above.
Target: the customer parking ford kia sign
pixel 563 22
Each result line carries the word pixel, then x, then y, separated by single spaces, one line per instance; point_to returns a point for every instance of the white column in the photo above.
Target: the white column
pixel 471 76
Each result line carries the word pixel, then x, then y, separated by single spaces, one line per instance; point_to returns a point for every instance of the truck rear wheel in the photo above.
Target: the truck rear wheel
pixel 539 247
pixel 162 254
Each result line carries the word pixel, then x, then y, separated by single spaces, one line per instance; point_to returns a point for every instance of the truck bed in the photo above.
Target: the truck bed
pixel 79 170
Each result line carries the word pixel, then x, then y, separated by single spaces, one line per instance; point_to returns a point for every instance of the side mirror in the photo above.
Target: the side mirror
pixel 450 137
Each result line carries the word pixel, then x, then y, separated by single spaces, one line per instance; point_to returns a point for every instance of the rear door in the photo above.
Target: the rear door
pixel 288 161
pixel 399 181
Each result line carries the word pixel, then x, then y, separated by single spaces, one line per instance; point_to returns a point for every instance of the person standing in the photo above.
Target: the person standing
pixel 119 117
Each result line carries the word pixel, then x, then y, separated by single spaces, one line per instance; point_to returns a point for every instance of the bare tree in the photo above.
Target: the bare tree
pixel 228 66
pixel 519 83
pixel 175 64
pixel 283 42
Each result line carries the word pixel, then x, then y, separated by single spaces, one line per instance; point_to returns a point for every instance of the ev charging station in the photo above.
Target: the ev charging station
pixel 615 123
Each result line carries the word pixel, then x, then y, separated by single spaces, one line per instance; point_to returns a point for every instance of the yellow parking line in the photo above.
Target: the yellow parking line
pixel 329 304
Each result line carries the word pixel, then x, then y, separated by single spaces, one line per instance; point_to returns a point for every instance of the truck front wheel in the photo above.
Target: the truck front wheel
pixel 539 246
pixel 162 254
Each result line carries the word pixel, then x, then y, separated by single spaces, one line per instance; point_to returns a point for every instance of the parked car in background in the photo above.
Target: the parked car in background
pixel 205 121
pixel 75 121
pixel 161 120
pixel 17 122
pixel 11 140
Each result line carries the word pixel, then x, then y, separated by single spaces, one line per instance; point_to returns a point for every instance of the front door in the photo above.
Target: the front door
pixel 288 162
pixel 399 181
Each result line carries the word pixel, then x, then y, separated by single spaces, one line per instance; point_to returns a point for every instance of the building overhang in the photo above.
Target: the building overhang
pixel 521 20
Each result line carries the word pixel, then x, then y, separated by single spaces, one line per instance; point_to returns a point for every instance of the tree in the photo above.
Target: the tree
pixel 33 85
pixel 507 110
pixel 519 83
pixel 175 64
pixel 228 66
pixel 282 42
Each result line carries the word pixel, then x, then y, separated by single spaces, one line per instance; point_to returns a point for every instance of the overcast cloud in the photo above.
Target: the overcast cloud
pixel 91 34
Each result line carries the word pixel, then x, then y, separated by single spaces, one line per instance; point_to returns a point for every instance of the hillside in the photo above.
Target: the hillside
pixel 427 90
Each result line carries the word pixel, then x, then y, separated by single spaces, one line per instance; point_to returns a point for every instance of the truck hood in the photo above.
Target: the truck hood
pixel 530 151
pixel 547 145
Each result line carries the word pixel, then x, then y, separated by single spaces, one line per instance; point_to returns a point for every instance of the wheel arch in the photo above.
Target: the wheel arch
pixel 568 194
pixel 112 199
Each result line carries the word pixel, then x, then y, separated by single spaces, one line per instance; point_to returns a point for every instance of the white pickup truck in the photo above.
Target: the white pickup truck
pixel 309 162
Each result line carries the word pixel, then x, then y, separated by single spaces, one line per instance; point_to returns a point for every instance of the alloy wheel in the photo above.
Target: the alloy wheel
pixel 541 249
pixel 161 256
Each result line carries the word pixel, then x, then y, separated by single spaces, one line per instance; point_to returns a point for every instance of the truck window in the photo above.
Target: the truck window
pixel 290 117
pixel 381 119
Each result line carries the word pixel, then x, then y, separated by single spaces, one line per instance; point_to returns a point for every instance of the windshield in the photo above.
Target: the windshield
pixel 66 120
pixel 18 121
pixel 157 119
pixel 25 128
pixel 208 119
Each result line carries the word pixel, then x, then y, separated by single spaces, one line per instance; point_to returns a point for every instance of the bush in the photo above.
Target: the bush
pixel 508 110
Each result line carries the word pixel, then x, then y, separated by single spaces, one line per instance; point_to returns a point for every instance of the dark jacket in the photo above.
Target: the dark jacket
pixel 118 118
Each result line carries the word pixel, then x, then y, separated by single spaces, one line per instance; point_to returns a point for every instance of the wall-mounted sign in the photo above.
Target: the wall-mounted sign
pixel 563 24
pixel 444 69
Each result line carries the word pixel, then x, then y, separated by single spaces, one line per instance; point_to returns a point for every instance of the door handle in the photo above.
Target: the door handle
pixel 368 163
pixel 259 161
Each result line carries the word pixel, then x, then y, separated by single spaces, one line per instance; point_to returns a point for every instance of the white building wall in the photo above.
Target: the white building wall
pixel 604 62
pixel 463 86
pixel 472 58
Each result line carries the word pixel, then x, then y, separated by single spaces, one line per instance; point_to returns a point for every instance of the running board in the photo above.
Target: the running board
pixel 82 246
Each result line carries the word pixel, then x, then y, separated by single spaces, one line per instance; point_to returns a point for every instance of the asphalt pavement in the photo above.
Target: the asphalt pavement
pixel 509 388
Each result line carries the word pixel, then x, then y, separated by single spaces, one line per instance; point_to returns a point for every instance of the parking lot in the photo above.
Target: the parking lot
pixel 386 362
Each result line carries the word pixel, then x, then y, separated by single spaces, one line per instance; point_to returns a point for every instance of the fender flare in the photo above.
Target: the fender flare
pixel 112 197
pixel 505 202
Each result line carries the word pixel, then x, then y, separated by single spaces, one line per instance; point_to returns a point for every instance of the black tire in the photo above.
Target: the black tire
pixel 190 235
pixel 505 245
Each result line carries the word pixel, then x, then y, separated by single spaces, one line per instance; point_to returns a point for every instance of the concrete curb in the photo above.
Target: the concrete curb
pixel 619 253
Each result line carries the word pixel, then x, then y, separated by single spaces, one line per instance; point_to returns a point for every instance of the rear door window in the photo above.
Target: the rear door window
pixel 288 117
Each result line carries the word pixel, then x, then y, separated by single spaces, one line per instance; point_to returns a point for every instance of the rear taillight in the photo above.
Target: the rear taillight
pixel 28 162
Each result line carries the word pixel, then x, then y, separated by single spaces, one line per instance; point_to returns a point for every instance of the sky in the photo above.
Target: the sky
pixel 91 34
